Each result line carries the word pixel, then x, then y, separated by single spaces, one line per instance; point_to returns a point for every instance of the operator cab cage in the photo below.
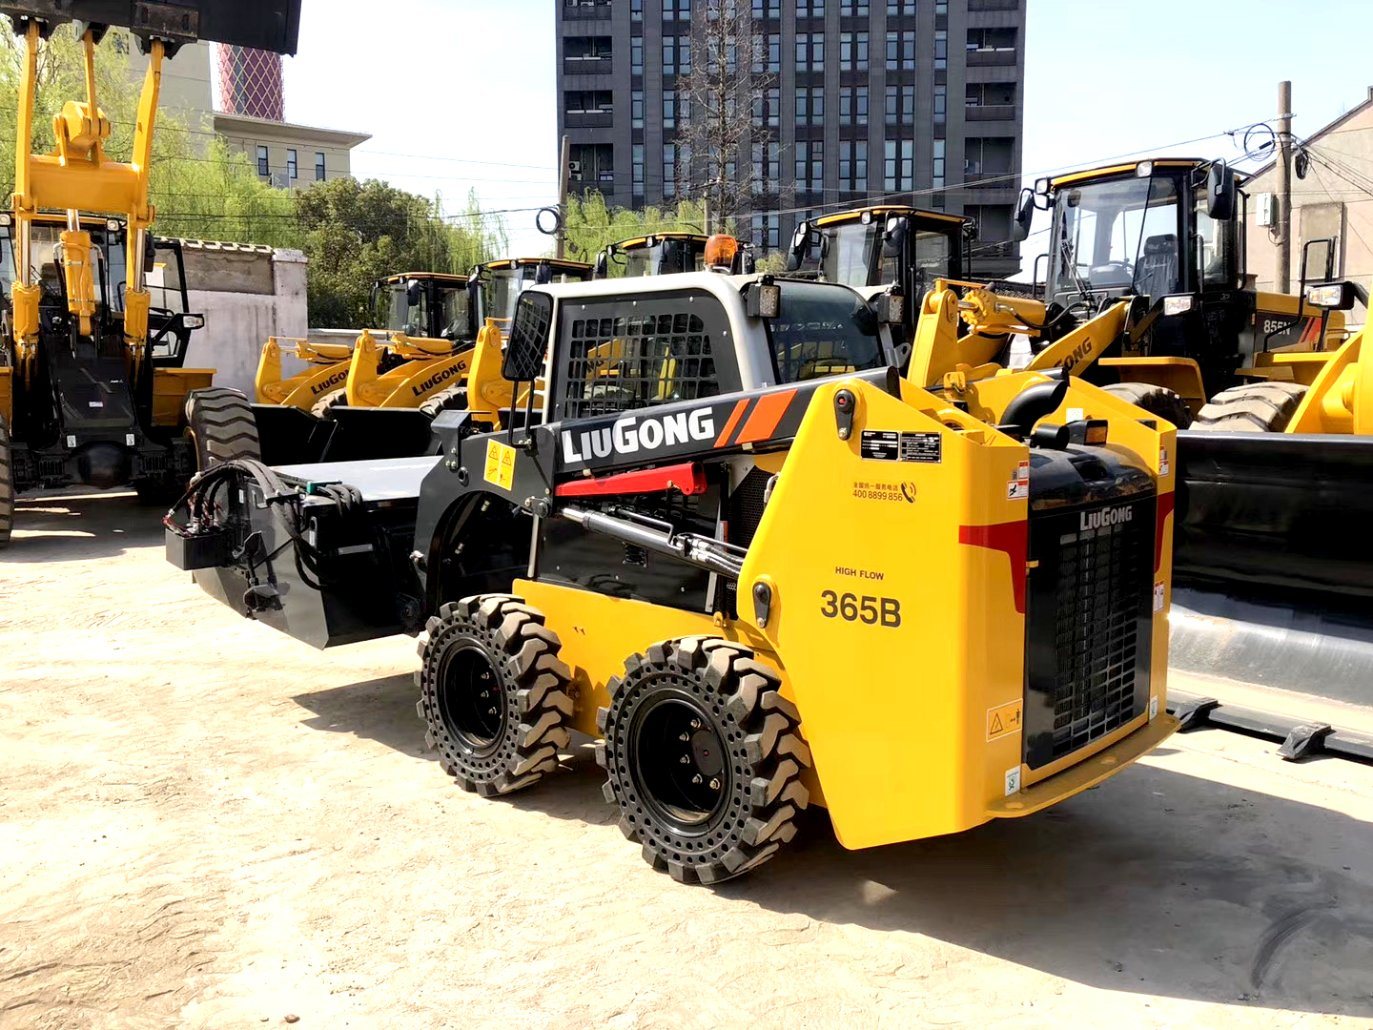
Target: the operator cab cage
pixel 428 304
pixel 170 322
pixel 882 245
pixel 1155 228
pixel 494 288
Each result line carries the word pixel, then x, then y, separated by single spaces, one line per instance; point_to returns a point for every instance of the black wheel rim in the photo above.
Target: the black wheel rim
pixel 680 763
pixel 471 701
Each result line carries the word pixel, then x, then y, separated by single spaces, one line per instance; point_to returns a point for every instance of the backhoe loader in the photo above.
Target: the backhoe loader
pixel 92 388
pixel 722 535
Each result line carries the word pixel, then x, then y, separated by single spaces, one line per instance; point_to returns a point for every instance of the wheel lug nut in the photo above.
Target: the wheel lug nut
pixel 695 724
pixel 685 760
pixel 696 778
pixel 684 737
pixel 714 784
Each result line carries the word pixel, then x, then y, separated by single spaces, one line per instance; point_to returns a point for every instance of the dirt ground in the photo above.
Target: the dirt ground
pixel 203 823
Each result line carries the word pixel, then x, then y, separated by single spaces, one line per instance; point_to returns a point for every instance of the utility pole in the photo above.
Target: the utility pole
pixel 564 171
pixel 1284 177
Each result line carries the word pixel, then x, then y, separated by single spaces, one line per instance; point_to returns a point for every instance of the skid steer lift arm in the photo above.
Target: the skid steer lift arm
pixel 78 176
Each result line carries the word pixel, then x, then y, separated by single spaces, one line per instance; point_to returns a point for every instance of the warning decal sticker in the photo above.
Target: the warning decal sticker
pixel 1003 720
pixel 500 464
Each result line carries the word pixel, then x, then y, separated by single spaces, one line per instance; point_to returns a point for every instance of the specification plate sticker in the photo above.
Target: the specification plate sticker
pixel 889 445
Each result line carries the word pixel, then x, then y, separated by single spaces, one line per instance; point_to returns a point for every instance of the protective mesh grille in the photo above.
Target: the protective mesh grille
pixel 625 362
pixel 1104 583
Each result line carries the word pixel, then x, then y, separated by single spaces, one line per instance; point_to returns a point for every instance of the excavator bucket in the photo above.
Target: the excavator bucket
pixel 1273 564
pixel 260 24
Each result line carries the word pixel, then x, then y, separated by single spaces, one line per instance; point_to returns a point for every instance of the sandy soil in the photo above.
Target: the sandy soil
pixel 203 823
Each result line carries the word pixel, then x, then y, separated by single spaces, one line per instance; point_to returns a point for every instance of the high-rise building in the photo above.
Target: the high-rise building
pixel 250 83
pixel 907 101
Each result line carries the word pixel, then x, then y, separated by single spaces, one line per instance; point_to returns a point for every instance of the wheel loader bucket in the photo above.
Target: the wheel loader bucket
pixel 1273 563
pixel 259 24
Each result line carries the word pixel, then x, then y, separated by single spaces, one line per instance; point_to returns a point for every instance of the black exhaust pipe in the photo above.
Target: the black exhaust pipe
pixel 1031 405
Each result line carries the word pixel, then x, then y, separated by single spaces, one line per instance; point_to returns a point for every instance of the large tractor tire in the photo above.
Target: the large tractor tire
pixel 1156 400
pixel 493 693
pixel 324 407
pixel 452 399
pixel 704 758
pixel 221 426
pixel 1264 407
pixel 6 485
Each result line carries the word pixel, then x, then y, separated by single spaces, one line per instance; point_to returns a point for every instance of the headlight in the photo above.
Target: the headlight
pixel 1331 296
pixel 1177 305
pixel 1144 169
pixel 193 321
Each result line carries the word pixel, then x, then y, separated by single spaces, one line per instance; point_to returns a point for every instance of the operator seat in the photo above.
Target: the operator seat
pixel 1157 272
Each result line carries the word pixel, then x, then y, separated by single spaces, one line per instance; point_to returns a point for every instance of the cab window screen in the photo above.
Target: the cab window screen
pixel 621 362
pixel 822 331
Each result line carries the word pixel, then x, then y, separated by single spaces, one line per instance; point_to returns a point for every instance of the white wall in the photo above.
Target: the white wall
pixel 246 295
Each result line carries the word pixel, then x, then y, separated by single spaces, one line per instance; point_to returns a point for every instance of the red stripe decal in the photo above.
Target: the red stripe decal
pixel 687 477
pixel 766 414
pixel 734 417
pixel 1011 537
pixel 1165 508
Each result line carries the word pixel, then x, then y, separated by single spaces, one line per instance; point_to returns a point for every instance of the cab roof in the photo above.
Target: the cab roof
pixel 1125 168
pixel 886 211
pixel 643 241
pixel 441 277
pixel 503 264
pixel 713 282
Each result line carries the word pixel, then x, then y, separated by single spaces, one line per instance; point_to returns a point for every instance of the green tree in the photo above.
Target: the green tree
pixel 591 225
pixel 356 232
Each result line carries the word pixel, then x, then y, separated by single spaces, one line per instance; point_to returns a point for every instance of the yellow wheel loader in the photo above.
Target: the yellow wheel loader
pixel 667 253
pixel 93 391
pixel 727 540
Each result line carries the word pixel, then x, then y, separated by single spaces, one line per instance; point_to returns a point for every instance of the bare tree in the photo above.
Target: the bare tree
pixel 722 111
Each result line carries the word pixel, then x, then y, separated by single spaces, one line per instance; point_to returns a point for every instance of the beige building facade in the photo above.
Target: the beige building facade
pixel 1332 199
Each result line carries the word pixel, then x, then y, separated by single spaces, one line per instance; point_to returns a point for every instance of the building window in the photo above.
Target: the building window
pixel 767 8
pixel 636 10
pixel 769 54
pixel 637 162
pixel 853 51
pixel 853 105
pixel 669 169
pixel 679 10
pixel 669 109
pixel 292 168
pixel 767 231
pixel 991 40
pixel 810 166
pixel 587 48
pixel 636 109
pixel 941 103
pixel 636 56
pixel 941 8
pixel 939 148
pixel 319 166
pixel 767 108
pixel 989 94
pixel 264 166
pixel 941 49
pixel 589 101
pixel 810 105
pixel 810 52
pixel 898 166
pixel 853 8
pixel 900 105
pixel 900 51
pixel 900 7
pixel 767 167
pixel 853 166
pixel 810 8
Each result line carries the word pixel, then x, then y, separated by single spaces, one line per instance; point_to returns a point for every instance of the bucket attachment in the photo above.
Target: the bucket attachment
pixel 259 24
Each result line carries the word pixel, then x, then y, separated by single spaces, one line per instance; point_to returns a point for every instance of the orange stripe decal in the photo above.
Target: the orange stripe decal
pixel 766 414
pixel 734 417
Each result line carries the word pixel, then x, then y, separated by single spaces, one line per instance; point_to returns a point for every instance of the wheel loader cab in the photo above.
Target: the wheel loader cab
pixel 495 287
pixel 668 253
pixel 425 304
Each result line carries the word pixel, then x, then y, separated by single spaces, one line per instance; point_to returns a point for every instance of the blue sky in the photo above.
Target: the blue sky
pixel 460 94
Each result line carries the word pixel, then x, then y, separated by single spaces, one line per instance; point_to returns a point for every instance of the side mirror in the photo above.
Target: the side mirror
pixel 747 264
pixel 524 352
pixel 149 254
pixel 543 274
pixel 1331 296
pixel 602 267
pixel 414 290
pixel 1024 215
pixel 1220 192
pixel 894 237
pixel 800 246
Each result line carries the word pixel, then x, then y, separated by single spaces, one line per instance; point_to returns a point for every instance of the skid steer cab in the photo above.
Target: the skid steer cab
pixel 722 535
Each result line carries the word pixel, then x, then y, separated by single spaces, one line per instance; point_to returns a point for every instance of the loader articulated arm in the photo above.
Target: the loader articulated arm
pixel 940 353
pixel 78 176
